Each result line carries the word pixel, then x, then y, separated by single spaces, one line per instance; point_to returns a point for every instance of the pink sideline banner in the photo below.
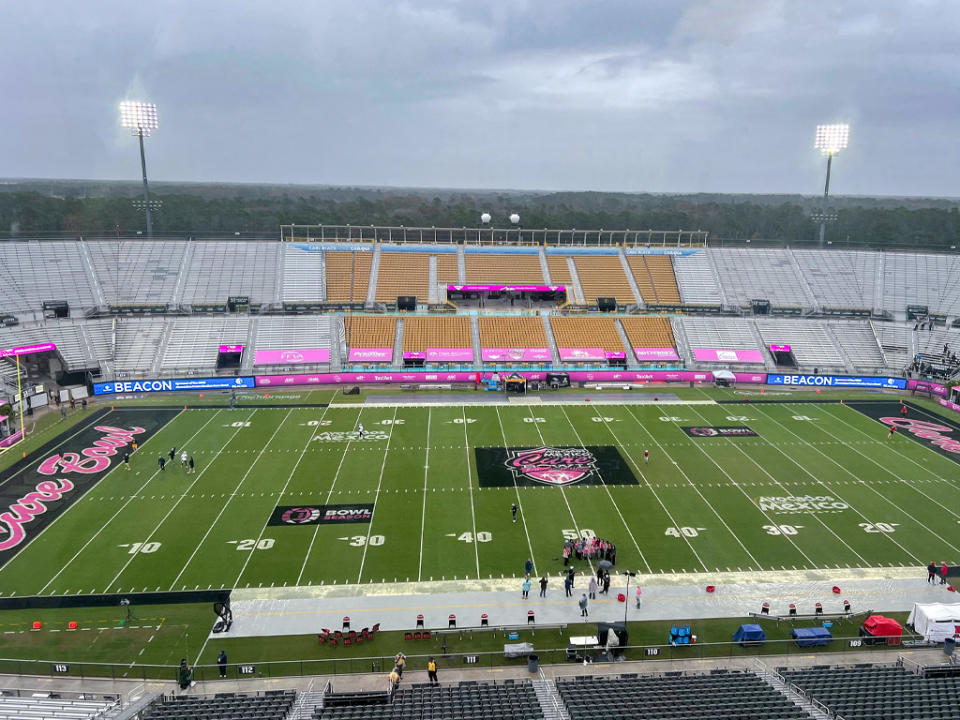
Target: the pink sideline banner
pixel 750 377
pixel 515 354
pixel 779 348
pixel 717 355
pixel 28 349
pixel 578 354
pixel 450 354
pixel 655 354
pixel 927 387
pixel 501 288
pixel 11 439
pixel 615 355
pixel 949 405
pixel 291 357
pixel 370 355
pixel 231 348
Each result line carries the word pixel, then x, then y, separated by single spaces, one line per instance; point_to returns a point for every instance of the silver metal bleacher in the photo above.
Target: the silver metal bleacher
pixel 696 279
pixel 32 272
pixel 759 273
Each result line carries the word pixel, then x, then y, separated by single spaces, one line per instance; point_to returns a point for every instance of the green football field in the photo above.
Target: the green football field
pixel 817 486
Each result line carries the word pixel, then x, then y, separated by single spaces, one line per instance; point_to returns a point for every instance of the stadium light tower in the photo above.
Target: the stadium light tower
pixel 829 140
pixel 141 119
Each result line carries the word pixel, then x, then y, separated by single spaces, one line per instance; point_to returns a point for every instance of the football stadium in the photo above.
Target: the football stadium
pixel 393 448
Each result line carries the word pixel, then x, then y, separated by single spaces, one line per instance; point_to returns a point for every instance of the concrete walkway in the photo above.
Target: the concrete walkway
pixel 395 606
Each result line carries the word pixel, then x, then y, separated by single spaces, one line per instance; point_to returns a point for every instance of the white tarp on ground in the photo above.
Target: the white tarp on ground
pixel 935 621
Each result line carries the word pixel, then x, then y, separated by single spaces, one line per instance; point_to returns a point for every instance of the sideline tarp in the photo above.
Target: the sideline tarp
pixel 749 635
pixel 881 625
pixel 808 637
pixel 935 621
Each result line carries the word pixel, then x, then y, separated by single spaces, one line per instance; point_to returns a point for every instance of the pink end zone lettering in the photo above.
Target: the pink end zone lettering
pixel 96 458
pixel 928 431
pixel 28 507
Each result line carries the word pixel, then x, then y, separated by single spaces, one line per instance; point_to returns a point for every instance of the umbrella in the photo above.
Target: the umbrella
pixel 605 564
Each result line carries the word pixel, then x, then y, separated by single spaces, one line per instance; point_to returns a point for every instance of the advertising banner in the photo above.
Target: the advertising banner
pixel 414 356
pixel 655 354
pixel 231 348
pixel 370 355
pixel 171 385
pixel 838 381
pixel 615 355
pixel 581 354
pixel 928 387
pixel 750 377
pixel 36 492
pixel 515 354
pixel 949 405
pixel 450 354
pixel 502 288
pixel 779 348
pixel 28 349
pixel 291 357
pixel 719 355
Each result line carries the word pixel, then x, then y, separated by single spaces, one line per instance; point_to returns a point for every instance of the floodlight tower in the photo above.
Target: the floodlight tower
pixel 141 118
pixel 829 140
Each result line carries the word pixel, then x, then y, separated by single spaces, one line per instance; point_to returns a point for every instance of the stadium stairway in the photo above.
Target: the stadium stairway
pixel 777 683
pixel 716 279
pixel 680 336
pixel 398 344
pixel 475 338
pixel 184 265
pixel 551 341
pixel 88 267
pixel 544 267
pixel 434 296
pixel 758 338
pixel 631 356
pixel 549 698
pixel 848 361
pixel 306 704
pixel 632 280
pixel 808 291
pixel 461 266
pixel 374 273
pixel 575 279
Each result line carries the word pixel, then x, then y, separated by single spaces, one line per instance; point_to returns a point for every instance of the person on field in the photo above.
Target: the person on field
pixel 592 588
pixel 183 459
pixel 161 461
pixel 543 586
pixel 943 572
pixel 567 585
pixel 432 671
pixel 893 429
pixel 903 411
pixel 222 662
pixel 932 573
pixel 513 511
pixel 126 461
pixel 173 453
pixel 583 605
pixel 190 464
pixel 606 583
pixel 525 588
pixel 360 431
pixel 528 567
pixel 639 593
pixel 134 446
pixel 646 457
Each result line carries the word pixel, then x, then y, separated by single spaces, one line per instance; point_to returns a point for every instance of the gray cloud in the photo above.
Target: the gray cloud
pixel 668 95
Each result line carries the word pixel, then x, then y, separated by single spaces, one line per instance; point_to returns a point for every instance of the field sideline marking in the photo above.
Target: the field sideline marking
pixel 696 489
pixel 336 476
pixel 174 507
pixel 832 491
pixel 473 512
pixel 523 515
pixel 229 500
pixel 744 492
pixel 656 497
pixel 609 495
pixel 383 465
pixel 423 513
pixel 146 482
pixel 812 514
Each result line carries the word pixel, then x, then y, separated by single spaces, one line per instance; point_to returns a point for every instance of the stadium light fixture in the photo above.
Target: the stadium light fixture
pixel 141 119
pixel 829 140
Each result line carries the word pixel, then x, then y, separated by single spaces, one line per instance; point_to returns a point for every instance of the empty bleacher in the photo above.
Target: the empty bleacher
pixel 649 332
pixel 137 272
pixel 138 344
pixel 447 269
pixel 921 279
pixel 495 269
pixel 898 343
pixel 403 273
pixel 32 272
pixel 878 692
pixel 67 334
pixel 303 275
pixel 271 705
pixel 603 276
pixel 810 344
pixel 840 278
pixel 724 333
pixel 15 706
pixel 421 333
pixel 860 344
pixel 679 696
pixel 512 332
pixel 348 275
pixel 221 269
pixel 655 279
pixel 586 332
pixel 370 332
pixel 759 274
pixel 469 700
pixel 192 343
pixel 696 280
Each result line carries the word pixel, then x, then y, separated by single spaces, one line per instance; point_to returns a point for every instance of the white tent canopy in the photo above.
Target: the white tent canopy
pixel 935 621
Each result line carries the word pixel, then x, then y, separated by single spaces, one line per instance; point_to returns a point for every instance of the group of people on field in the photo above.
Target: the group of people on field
pixel 589 549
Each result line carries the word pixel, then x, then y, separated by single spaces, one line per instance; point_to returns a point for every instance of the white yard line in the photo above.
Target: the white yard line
pixel 744 492
pixel 174 507
pixel 236 583
pixel 657 497
pixel 423 513
pixel 563 494
pixel 697 490
pixel 473 512
pixel 336 475
pixel 197 547
pixel 610 496
pixel 523 515
pixel 833 491
pixel 789 493
pixel 122 507
pixel 376 494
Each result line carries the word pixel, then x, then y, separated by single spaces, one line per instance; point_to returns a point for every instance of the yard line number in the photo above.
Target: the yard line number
pixel 880 527
pixel 685 531
pixel 482 536
pixel 782 529
pixel 148 547
pixel 585 534
pixel 361 540
pixel 253 543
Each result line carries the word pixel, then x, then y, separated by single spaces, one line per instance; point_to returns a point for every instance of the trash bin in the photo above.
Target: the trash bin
pixel 949 645
pixel 533 663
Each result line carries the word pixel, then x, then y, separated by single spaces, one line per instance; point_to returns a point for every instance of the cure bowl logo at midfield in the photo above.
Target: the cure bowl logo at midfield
pixel 89 461
pixel 551 465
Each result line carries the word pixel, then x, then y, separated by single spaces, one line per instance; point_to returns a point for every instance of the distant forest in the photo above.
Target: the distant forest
pixel 72 208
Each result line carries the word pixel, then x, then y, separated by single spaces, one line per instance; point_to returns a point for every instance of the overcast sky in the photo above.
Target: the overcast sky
pixel 633 95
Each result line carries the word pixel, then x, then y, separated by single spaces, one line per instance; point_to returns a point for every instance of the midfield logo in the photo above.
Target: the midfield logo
pixel 554 466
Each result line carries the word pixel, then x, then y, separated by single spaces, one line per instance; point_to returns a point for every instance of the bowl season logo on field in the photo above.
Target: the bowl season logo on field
pixel 552 465
pixel 321 514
